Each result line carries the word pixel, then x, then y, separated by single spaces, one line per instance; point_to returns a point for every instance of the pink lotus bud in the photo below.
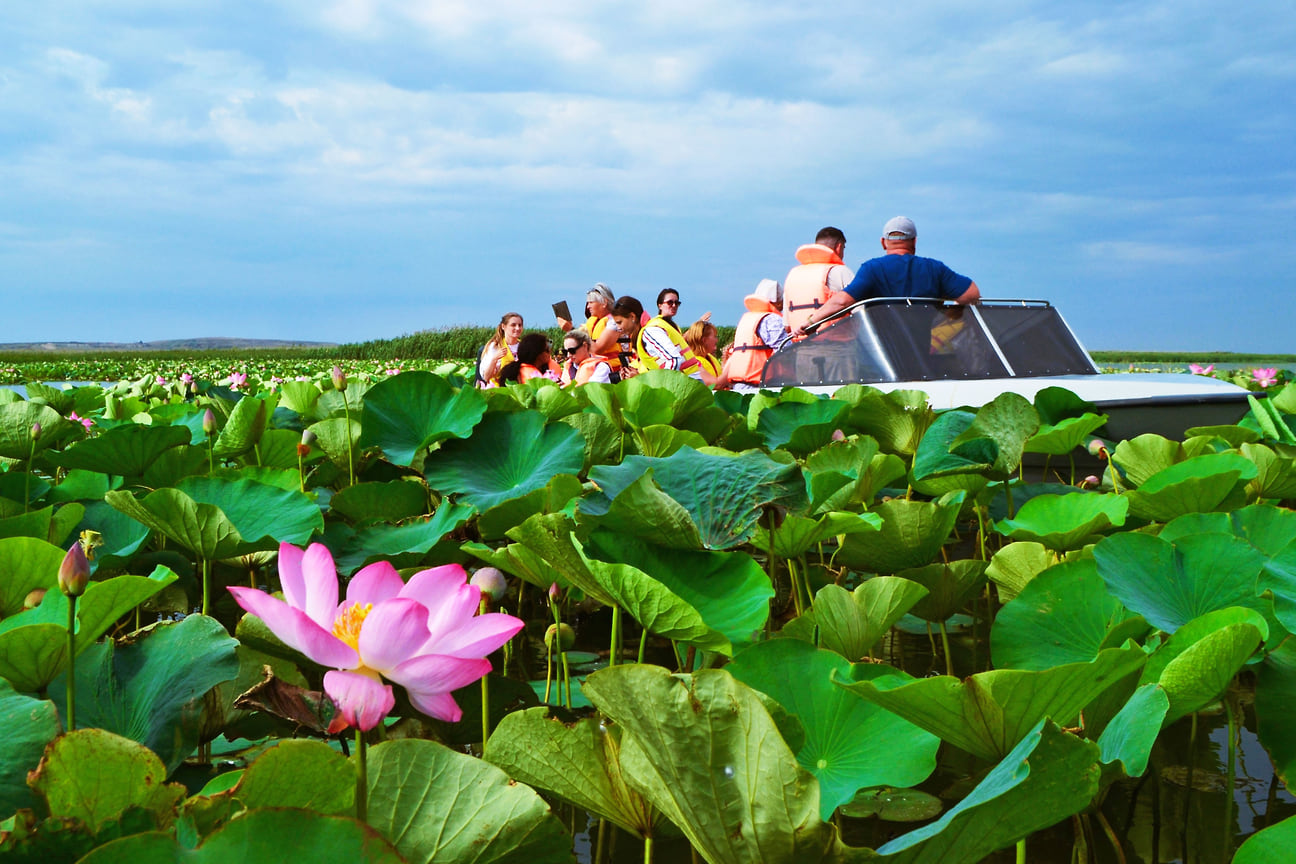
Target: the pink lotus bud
pixel 74 572
pixel 491 582
pixel 554 591
pixel 35 431
pixel 1098 448
pixel 565 635
pixel 838 435
pixel 209 422
pixel 339 378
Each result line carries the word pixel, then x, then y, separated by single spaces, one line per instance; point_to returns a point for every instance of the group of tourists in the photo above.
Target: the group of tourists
pixel 619 339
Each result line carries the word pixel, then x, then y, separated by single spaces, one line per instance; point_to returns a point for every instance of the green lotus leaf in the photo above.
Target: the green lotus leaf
pixel 81 485
pixel 801 428
pixel 1170 584
pixel 393 501
pixel 722 494
pixel 1055 404
pixel 339 438
pixel 508 456
pixel 991 712
pixel 1061 438
pixel 949 587
pixel 851 623
pixel 95 776
pixel 33 644
pixel 555 402
pixel 243 427
pixel 728 589
pixel 797 535
pixel 1140 458
pixel 263 515
pixel 27 563
pixel 1279 577
pixel 1016 564
pixel 1214 481
pixel 434 804
pixel 299 396
pixel 846 475
pixel 404 545
pixel 1196 664
pixel 898 420
pixel 258 837
pixel 16 421
pixel 171 466
pixel 706 753
pixel 520 561
pixel 1233 436
pixel 935 456
pixel 278 449
pixel 1063 615
pixel 604 442
pixel 580 763
pixel 36 523
pixel 661 396
pixel 557 496
pixel 1275 717
pixel 407 413
pixel 893 805
pixel 19 486
pixel 302 773
pixel 125 451
pixel 1275 472
pixel 911 535
pixel 8 397
pixel 1268 845
pixel 29 725
pixel 59 400
pixel 1065 522
pixel 662 441
pixel 1048 776
pixel 146 690
pixel 1129 737
pixel 849 743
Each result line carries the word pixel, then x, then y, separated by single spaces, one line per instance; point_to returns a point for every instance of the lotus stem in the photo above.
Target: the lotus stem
pixel 566 677
pixel 643 644
pixel 256 450
pixel 1192 769
pixel 31 458
pixel 648 849
pixel 1021 851
pixel 362 778
pixel 301 474
pixel 981 532
pixel 614 650
pixel 1232 771
pixel 206 585
pixel 949 661
pixel 71 670
pixel 211 459
pixel 1071 459
pixel 482 608
pixel 796 588
pixel 549 652
pixel 602 838
pixel 346 407
pixel 1111 836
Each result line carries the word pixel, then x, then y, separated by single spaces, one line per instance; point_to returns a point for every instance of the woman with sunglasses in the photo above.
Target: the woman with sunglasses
pixel 579 366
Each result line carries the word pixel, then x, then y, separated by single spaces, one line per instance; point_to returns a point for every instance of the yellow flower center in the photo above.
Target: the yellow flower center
pixel 347 625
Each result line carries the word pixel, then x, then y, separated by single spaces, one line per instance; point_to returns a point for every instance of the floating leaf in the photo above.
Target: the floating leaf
pixel 1213 481
pixel 410 412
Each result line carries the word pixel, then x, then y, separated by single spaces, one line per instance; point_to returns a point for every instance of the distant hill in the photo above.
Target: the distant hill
pixel 207 343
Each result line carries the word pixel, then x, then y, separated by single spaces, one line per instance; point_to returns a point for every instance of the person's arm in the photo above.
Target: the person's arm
pixel 773 332
pixel 563 324
pixel 606 343
pixel 835 303
pixel 970 296
pixel 489 368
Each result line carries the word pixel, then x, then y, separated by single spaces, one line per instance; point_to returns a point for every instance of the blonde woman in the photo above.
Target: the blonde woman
pixel 499 351
pixel 703 339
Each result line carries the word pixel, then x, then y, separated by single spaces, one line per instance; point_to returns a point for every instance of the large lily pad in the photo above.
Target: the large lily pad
pixel 125 451
pixel 1213 481
pixel 704 751
pixel 146 690
pixel 262 514
pixel 1063 615
pixel 722 494
pixel 989 713
pixel 435 804
pixel 1197 663
pixel 1171 583
pixel 508 456
pixel 1066 522
pixel 849 744
pixel 30 724
pixel 851 623
pixel 579 762
pixel 16 422
pixel 413 411
pixel 800 427
pixel 897 419
pixel 911 535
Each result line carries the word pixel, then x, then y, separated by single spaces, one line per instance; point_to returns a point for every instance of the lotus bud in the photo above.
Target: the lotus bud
pixel 491 582
pixel 33 598
pixel 209 422
pixel 555 593
pixel 1091 480
pixel 35 431
pixel 74 572
pixel 339 378
pixel 838 435
pixel 1098 448
pixel 565 635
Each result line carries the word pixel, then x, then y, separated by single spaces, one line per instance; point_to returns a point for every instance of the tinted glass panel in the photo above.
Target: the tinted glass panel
pixel 841 354
pixel 1035 340
pixel 928 342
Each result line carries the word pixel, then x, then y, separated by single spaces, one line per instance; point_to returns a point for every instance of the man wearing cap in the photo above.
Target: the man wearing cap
pixel 899 273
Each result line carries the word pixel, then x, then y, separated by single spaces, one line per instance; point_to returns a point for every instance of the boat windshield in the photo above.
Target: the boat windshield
pixel 891 339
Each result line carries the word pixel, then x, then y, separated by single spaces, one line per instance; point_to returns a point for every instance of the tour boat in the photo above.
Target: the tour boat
pixel 965 356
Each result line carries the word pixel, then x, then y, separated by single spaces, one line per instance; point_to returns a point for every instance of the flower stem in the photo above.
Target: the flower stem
pixel 643 644
pixel 362 780
pixel 206 586
pixel 949 661
pixel 648 849
pixel 346 405
pixel 71 669
pixel 485 686
pixel 614 650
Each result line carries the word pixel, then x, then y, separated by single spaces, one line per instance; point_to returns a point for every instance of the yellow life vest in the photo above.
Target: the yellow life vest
pixel 645 361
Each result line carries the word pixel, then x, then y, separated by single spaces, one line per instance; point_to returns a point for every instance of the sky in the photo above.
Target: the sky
pixel 343 170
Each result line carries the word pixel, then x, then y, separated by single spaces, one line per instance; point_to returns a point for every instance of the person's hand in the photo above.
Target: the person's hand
pixel 706 316
pixel 628 372
pixel 564 324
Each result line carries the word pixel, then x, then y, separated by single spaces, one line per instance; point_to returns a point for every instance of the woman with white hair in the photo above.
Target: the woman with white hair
pixel 600 327
pixel 760 333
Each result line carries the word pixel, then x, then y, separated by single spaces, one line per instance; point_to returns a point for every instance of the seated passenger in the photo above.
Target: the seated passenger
pixel 533 361
pixel 656 344
pixel 703 338
pixel 579 365
pixel 760 333
pixel 499 351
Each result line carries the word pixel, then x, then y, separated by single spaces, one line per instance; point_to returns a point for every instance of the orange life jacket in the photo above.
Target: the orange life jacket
pixel 585 371
pixel 806 286
pixel 750 353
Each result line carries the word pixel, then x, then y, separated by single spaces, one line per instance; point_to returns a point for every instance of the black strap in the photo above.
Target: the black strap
pixel 815 305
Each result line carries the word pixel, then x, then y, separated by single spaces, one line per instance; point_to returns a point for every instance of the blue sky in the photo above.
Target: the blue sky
pixel 342 170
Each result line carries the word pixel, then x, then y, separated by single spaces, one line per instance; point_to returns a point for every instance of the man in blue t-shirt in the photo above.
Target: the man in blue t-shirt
pixel 898 273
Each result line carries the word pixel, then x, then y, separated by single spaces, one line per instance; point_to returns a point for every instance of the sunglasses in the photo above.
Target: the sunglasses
pixel 570 352
pixel 670 302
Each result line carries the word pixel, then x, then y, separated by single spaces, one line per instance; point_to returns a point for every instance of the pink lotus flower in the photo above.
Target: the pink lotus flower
pixel 186 378
pixel 1265 377
pixel 237 380
pixel 84 421
pixel 1201 370
pixel 423 635
pixel 160 381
